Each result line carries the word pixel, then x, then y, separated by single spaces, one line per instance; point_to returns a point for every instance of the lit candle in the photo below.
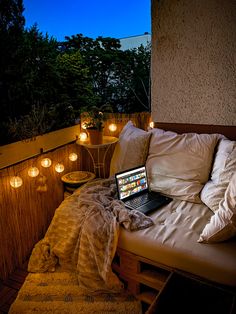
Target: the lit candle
pixel 46 162
pixel 73 156
pixel 59 167
pixel 16 182
pixel 33 172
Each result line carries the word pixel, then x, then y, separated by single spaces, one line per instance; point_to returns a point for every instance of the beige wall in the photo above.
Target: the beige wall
pixel 194 61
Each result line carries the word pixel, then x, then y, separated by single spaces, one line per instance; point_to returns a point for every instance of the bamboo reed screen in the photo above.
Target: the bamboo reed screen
pixel 25 213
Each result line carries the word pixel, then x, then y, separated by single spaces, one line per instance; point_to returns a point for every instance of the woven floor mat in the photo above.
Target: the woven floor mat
pixel 60 293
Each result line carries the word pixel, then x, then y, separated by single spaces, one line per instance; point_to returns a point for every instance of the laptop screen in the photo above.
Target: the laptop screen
pixel 131 182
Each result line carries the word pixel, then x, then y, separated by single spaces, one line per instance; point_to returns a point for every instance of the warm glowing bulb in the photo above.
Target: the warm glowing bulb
pixel 73 156
pixel 151 124
pixel 83 137
pixel 16 182
pixel 33 172
pixel 46 162
pixel 59 167
pixel 112 127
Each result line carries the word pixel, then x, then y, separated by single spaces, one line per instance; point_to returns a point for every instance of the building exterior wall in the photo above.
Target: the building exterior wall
pixel 135 41
pixel 194 61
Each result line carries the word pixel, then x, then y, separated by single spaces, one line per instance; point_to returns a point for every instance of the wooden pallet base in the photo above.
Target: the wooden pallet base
pixel 149 281
pixel 142 277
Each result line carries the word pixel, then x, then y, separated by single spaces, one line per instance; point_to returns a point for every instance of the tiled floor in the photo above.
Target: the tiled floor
pixel 10 287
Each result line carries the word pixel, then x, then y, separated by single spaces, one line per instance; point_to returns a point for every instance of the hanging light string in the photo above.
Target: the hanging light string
pixel 16 181
pixel 83 137
pixel 33 171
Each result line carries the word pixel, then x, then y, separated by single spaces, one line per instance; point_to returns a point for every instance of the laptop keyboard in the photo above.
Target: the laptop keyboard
pixel 138 201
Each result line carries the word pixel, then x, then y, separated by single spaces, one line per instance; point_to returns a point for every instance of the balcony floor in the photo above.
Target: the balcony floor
pixel 10 287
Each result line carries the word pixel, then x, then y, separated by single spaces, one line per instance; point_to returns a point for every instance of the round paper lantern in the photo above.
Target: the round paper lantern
pixel 112 127
pixel 33 172
pixel 73 156
pixel 59 167
pixel 83 137
pixel 46 162
pixel 16 182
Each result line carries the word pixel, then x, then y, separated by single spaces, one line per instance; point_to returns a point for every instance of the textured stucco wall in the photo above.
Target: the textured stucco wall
pixel 194 61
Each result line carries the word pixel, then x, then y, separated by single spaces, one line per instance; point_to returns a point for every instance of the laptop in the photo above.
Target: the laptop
pixel 133 190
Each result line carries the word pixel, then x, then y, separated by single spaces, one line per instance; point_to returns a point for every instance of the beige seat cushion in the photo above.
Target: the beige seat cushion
pixel 178 165
pixel 172 241
pixel 222 225
pixel 223 168
pixel 131 149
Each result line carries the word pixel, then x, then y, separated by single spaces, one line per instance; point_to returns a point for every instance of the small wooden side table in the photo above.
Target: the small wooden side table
pixel 98 153
pixel 75 179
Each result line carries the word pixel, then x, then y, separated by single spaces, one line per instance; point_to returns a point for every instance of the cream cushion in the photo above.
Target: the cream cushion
pixel 131 149
pixel 222 225
pixel 178 165
pixel 172 241
pixel 223 168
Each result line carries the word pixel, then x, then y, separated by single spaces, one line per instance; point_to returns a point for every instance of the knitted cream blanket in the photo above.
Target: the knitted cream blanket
pixel 83 236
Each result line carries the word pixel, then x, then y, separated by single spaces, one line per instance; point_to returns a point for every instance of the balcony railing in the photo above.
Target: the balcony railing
pixel 26 212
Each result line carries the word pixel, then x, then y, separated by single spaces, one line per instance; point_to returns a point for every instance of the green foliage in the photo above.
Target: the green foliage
pixel 120 78
pixel 39 75
pixel 134 80
pixel 36 122
pixel 100 55
pixel 95 116
pixel 45 85
pixel 74 84
pixel 11 35
pixel 48 87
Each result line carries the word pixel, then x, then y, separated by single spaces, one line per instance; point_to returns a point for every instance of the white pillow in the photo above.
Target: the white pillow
pixel 178 165
pixel 223 168
pixel 131 149
pixel 222 225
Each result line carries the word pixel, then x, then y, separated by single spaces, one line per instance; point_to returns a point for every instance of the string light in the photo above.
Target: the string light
pixel 33 172
pixel 46 162
pixel 73 156
pixel 83 137
pixel 151 124
pixel 16 182
pixel 59 168
pixel 112 127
